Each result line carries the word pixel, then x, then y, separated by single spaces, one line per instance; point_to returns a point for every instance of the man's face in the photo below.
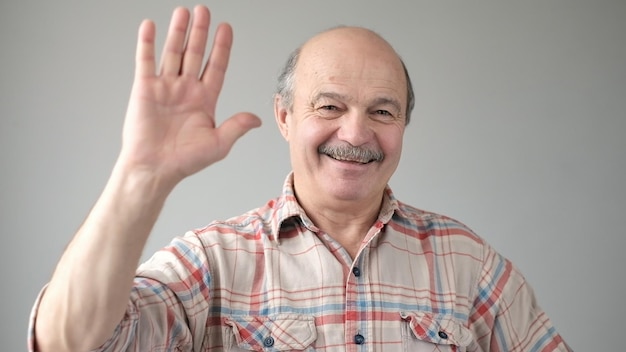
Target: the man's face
pixel 346 126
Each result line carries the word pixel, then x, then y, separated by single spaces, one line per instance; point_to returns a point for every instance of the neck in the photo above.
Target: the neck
pixel 347 222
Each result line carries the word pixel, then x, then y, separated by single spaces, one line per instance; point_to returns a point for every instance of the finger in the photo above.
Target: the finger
pixel 196 43
pixel 235 127
pixel 144 56
pixel 175 42
pixel 215 69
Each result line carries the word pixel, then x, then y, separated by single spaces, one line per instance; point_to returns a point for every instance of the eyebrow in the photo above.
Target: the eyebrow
pixel 331 95
pixel 341 97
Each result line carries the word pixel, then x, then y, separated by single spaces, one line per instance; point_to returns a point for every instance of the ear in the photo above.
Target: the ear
pixel 282 115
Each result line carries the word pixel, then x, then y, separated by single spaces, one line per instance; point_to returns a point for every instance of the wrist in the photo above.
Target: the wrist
pixel 145 181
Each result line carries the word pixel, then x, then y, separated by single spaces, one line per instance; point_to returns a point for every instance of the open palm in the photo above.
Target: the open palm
pixel 170 126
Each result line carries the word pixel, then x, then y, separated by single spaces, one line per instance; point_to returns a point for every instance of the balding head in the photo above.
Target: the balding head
pixel 342 41
pixel 344 119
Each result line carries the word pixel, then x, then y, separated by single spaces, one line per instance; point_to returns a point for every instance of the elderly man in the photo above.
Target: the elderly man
pixel 335 263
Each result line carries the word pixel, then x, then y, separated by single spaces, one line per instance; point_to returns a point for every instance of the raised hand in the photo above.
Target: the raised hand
pixel 170 127
pixel 169 133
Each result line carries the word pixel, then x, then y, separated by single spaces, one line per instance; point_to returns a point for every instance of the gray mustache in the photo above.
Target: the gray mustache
pixel 351 153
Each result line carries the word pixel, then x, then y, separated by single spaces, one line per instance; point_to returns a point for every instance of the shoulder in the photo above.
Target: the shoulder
pixel 424 224
pixel 253 224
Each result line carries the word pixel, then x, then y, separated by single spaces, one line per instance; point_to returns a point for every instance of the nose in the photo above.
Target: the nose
pixel 355 128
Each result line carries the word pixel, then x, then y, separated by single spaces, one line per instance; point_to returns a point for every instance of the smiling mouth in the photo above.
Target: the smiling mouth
pixel 356 161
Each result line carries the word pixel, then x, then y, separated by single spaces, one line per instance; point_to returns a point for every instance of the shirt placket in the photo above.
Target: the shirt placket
pixel 356 310
pixel 357 297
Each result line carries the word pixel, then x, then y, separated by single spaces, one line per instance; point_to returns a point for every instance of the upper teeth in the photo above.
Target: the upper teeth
pixel 347 159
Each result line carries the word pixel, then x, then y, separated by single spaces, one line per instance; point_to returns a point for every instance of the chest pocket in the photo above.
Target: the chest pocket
pixel 281 332
pixel 425 332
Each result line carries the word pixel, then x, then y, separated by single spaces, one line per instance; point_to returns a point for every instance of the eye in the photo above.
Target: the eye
pixel 329 111
pixel 383 115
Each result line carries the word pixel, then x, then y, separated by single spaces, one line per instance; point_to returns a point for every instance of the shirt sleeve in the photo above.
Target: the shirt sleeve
pixel 168 304
pixel 31 343
pixel 506 315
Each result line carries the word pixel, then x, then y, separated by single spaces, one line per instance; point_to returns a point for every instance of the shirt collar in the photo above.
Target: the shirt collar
pixel 287 208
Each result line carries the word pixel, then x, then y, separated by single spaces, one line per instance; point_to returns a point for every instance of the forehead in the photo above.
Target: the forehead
pixel 350 60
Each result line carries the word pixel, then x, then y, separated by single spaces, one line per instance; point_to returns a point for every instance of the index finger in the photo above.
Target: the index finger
pixel 215 68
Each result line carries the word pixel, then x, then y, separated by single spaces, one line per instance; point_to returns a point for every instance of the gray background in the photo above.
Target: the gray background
pixel 518 132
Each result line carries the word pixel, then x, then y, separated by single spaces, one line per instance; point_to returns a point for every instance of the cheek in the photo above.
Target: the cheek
pixel 391 142
pixel 313 132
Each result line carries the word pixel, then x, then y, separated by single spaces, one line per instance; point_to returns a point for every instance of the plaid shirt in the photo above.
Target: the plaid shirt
pixel 270 280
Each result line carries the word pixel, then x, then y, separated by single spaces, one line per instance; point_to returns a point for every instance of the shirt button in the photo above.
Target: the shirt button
pixel 443 335
pixel 359 339
pixel 356 271
pixel 268 341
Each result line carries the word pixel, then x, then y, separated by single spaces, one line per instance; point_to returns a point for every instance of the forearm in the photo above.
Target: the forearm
pixel 89 290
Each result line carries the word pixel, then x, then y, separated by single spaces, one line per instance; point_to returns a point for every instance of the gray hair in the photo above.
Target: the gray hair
pixel 286 84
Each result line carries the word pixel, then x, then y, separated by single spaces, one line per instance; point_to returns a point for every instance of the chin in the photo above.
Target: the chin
pixel 347 191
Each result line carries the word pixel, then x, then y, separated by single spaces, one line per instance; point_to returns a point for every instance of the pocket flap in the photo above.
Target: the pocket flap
pixel 279 332
pixel 437 329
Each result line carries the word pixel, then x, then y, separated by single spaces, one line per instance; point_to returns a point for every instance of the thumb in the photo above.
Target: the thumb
pixel 234 127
